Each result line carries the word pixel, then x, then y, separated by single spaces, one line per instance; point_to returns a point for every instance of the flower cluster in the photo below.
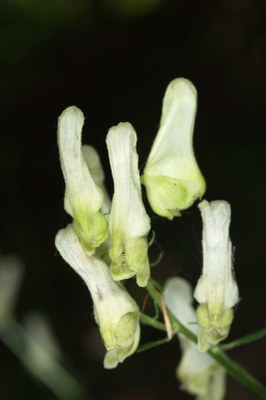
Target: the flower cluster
pixel 84 244
pixel 107 240
pixel 106 243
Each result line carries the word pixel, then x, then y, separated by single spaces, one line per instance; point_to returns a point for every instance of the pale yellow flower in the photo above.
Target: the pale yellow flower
pixel 129 222
pixel 83 198
pixel 172 177
pixel 116 313
pixel 216 290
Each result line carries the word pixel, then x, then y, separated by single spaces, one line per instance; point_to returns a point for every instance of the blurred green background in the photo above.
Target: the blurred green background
pixel 114 59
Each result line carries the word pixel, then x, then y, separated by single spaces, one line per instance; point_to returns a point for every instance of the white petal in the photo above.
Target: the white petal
pixel 201 376
pixel 80 187
pixel 178 298
pixel 217 282
pixel 173 143
pixel 128 213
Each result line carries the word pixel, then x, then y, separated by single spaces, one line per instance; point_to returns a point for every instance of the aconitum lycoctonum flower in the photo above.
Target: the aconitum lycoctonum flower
pixel 171 176
pixel 216 290
pixel 83 198
pixel 115 311
pixel 129 223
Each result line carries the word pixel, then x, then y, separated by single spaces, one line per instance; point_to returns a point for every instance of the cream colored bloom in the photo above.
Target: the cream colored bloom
pixel 116 312
pixel 216 290
pixel 198 372
pixel 172 177
pixel 83 198
pixel 129 222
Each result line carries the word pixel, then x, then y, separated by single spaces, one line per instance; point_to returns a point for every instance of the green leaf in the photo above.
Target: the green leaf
pixel 150 345
pixel 252 337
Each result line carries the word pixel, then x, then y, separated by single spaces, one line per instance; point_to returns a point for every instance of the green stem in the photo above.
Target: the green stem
pixel 151 345
pixel 232 367
pixel 237 371
pixel 145 319
pixel 244 340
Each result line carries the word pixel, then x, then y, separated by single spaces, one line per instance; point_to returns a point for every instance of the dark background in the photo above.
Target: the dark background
pixel 114 59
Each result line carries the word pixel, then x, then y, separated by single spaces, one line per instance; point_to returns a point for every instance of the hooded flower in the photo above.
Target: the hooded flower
pixel 115 311
pixel 83 198
pixel 172 177
pixel 129 222
pixel 198 372
pixel 216 290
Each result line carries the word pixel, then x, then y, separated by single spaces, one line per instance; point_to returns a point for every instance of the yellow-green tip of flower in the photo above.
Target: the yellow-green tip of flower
pixel 213 326
pixel 129 258
pixel 172 177
pixel 91 229
pixel 123 346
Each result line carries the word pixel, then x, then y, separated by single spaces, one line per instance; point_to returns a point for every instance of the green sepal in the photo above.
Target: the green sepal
pixel 92 230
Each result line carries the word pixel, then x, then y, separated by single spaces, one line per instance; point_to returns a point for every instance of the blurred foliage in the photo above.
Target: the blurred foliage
pixel 50 10
pixel 26 23
pixel 15 43
pixel 130 8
